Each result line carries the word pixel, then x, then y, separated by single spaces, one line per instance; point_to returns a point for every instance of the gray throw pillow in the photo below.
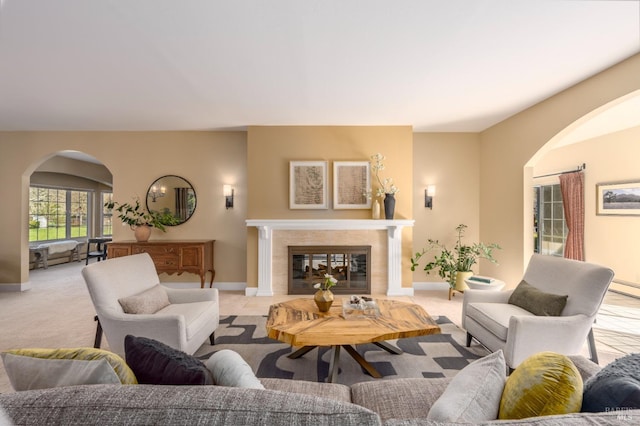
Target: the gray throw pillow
pixel 147 302
pixel 230 369
pixel 473 395
pixel 536 301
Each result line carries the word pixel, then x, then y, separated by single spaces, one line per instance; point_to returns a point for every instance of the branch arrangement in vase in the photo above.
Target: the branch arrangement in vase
pixel 386 185
pixel 135 215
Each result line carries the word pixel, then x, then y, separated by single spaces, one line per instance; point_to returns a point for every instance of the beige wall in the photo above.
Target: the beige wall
pixel 609 240
pixel 258 159
pixel 206 159
pixel 270 149
pixel 451 162
pixel 507 147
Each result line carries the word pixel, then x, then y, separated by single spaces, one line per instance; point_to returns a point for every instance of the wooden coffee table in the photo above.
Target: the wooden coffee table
pixel 299 323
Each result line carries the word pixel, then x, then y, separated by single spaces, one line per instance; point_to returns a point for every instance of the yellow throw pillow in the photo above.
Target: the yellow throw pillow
pixel 544 384
pixel 37 368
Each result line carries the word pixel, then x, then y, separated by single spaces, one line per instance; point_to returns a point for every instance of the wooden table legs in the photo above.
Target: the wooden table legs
pixel 335 358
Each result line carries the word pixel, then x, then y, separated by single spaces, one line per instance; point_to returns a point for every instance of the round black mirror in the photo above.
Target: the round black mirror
pixel 172 198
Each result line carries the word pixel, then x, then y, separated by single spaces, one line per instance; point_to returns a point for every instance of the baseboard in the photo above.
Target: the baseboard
pixel 223 286
pixel 430 285
pixel 15 287
pixel 403 291
pixel 230 286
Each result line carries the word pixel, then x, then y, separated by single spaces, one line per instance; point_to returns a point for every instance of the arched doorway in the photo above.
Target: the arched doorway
pixel 65 198
pixel 606 140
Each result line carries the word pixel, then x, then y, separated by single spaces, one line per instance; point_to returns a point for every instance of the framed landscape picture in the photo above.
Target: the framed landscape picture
pixel 618 198
pixel 308 185
pixel 351 184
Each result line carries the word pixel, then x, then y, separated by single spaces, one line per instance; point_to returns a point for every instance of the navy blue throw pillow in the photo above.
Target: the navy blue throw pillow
pixel 616 386
pixel 155 363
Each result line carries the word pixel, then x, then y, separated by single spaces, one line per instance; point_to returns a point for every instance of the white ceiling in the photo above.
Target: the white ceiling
pixel 437 65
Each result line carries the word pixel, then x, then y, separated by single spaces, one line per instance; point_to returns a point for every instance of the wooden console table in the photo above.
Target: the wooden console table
pixel 194 256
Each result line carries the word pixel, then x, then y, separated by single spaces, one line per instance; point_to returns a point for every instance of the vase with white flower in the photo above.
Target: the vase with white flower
pixel 386 187
pixel 324 297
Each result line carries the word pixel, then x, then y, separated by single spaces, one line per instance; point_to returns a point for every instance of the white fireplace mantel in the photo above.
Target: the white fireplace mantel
pixel 266 227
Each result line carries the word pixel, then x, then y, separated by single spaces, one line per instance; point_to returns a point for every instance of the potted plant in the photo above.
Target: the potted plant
pixel 454 266
pixel 324 296
pixel 138 218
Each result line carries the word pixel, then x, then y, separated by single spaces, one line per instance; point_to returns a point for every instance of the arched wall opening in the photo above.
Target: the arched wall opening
pixel 67 169
pixel 606 140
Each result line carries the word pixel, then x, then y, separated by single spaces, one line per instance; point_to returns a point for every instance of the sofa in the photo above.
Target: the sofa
pixel 382 402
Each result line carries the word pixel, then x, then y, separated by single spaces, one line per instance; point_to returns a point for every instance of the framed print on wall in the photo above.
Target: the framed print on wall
pixel 308 185
pixel 618 198
pixel 351 184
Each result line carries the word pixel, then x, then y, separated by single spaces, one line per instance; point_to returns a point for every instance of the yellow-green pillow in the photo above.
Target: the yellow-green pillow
pixel 36 368
pixel 544 384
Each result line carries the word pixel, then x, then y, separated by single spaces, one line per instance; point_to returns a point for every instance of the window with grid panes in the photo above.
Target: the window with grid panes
pixel 550 229
pixel 107 214
pixel 57 213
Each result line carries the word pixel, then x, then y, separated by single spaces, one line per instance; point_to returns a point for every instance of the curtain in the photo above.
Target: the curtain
pixel 182 198
pixel 572 188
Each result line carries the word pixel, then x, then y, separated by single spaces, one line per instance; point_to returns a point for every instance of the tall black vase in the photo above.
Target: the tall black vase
pixel 389 205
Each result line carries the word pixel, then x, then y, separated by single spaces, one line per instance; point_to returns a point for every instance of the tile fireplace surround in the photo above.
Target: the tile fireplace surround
pixel 275 235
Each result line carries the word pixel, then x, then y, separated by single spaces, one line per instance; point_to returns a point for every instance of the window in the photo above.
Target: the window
pixel 107 214
pixel 550 229
pixel 57 213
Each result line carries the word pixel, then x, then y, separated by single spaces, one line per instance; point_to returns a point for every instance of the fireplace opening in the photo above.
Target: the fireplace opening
pixel 350 265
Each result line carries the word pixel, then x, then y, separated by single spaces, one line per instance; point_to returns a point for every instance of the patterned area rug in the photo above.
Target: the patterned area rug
pixel 437 355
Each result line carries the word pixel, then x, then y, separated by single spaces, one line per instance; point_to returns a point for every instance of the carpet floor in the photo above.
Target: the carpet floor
pixel 436 355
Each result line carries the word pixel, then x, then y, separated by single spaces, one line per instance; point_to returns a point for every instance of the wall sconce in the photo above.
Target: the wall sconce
pixel 228 196
pixel 429 193
pixel 154 193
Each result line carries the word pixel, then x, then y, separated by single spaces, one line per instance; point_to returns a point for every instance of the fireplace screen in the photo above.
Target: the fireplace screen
pixel 350 265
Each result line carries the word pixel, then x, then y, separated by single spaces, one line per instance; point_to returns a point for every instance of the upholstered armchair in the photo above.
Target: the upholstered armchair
pixel 128 299
pixel 488 316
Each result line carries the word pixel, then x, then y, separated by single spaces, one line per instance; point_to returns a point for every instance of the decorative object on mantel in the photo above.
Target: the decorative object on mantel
pixel 324 297
pixel 455 265
pixel 308 185
pixel 375 209
pixel 386 187
pixel 389 206
pixel 138 218
pixel 351 185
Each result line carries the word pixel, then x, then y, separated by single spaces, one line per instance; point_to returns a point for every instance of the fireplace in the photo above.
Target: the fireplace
pixel 350 265
pixel 383 236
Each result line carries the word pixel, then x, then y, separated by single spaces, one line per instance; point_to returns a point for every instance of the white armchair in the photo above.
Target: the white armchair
pixel 491 320
pixel 191 317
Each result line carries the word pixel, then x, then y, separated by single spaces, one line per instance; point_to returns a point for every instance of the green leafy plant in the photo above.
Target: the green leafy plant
pixel 136 215
pixel 460 259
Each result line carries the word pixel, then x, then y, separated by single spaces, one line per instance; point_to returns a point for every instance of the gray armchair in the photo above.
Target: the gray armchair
pixel 491 320
pixel 185 324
